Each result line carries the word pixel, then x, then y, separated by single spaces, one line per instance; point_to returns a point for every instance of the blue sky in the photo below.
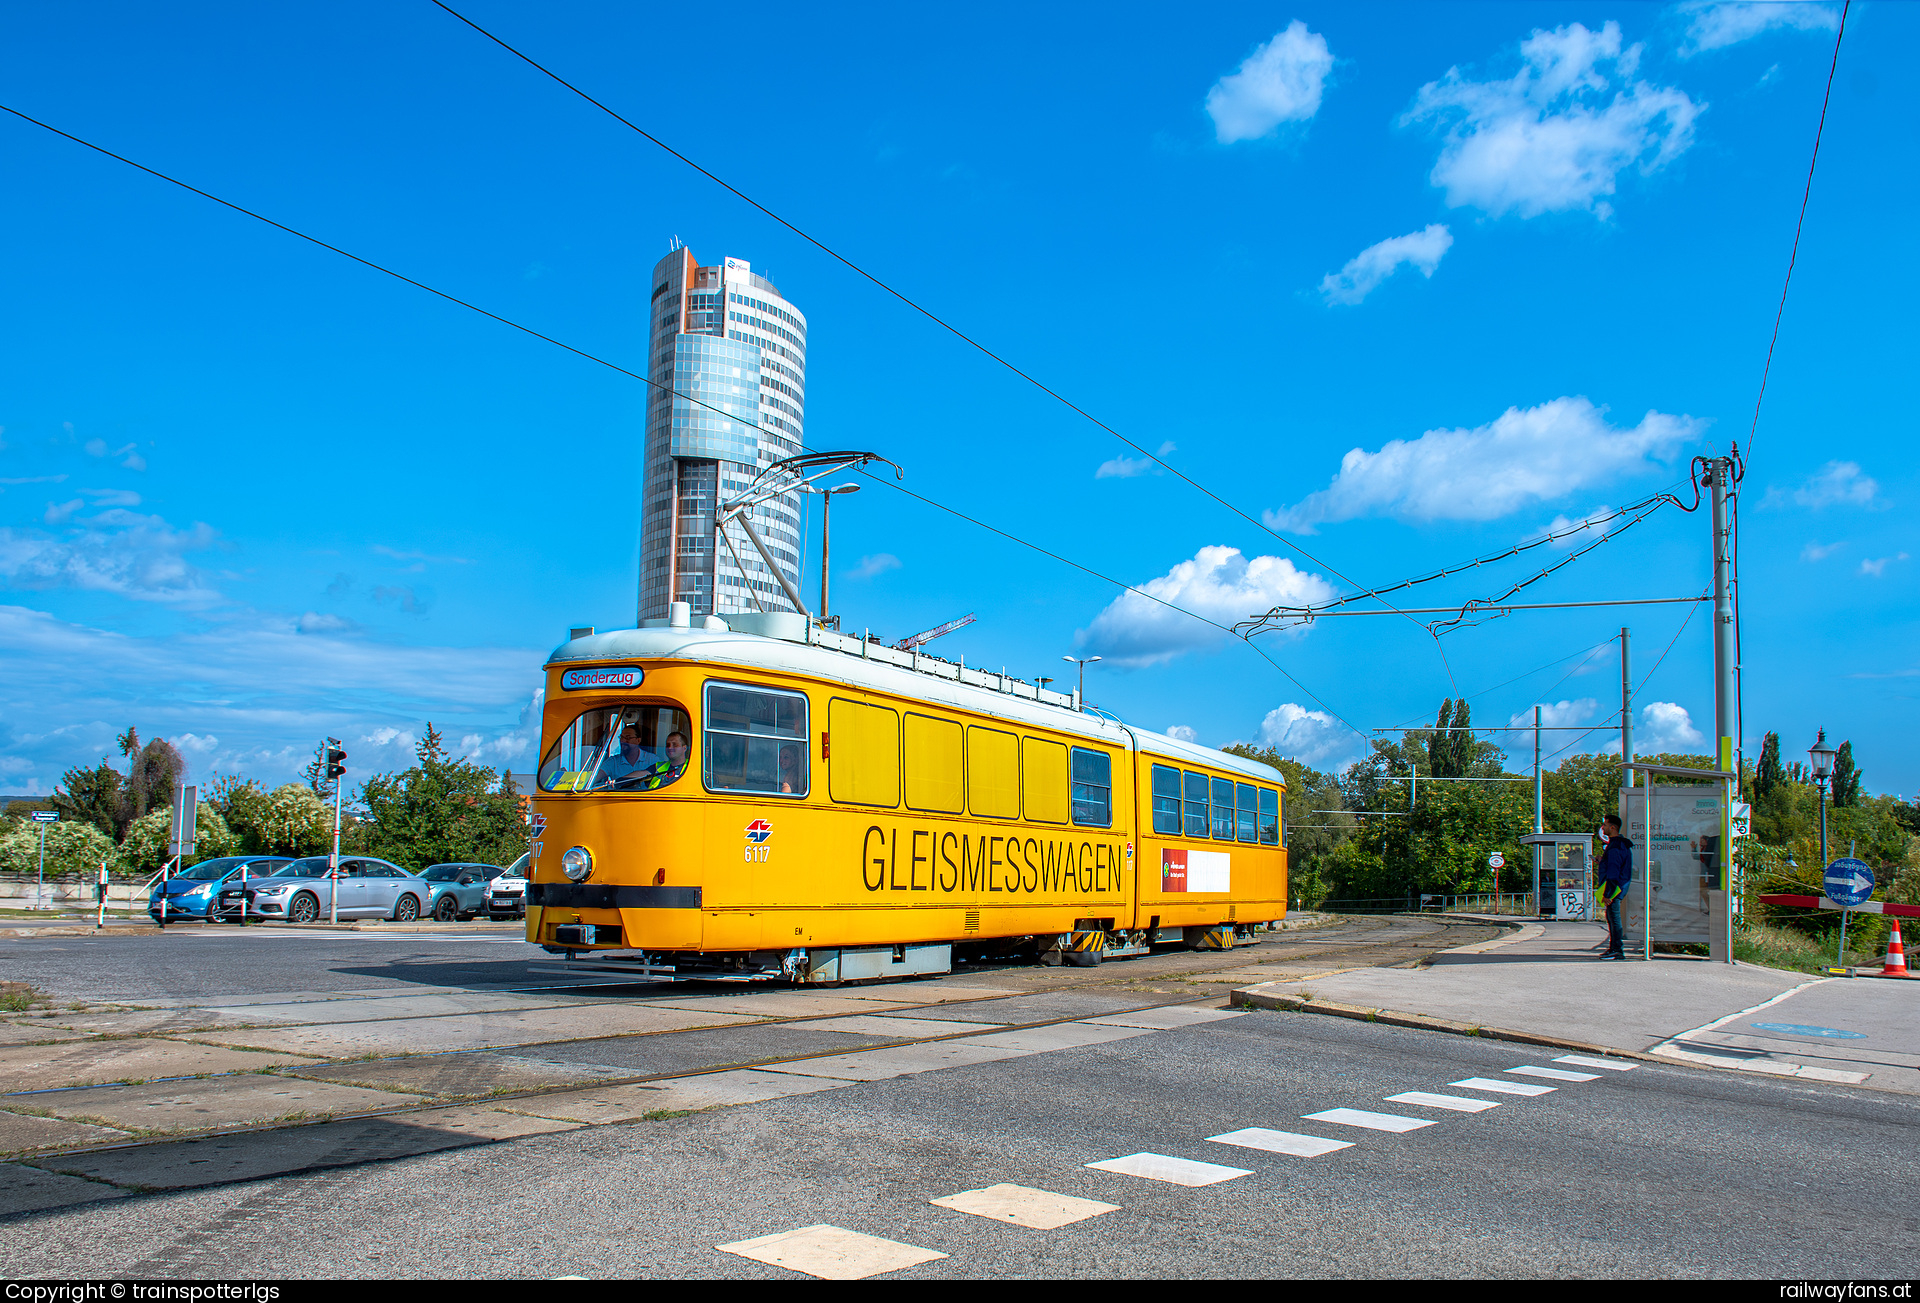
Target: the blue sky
pixel 1409 283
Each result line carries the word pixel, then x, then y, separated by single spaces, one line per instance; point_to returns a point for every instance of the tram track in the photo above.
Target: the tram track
pixel 1319 948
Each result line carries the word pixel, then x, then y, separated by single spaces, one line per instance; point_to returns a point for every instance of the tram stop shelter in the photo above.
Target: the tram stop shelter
pixel 1562 874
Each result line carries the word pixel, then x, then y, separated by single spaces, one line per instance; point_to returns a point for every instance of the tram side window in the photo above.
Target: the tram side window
pixel 1166 801
pixel 756 741
pixel 864 767
pixel 1092 788
pixel 1043 780
pixel 1223 809
pixel 1196 804
pixel 935 780
pixel 993 773
pixel 1247 816
pixel 633 748
pixel 1270 817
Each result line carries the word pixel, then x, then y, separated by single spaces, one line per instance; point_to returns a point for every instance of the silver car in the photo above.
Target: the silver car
pixel 303 893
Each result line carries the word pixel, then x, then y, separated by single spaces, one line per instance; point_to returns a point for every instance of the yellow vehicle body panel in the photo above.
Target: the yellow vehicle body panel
pixel 970 839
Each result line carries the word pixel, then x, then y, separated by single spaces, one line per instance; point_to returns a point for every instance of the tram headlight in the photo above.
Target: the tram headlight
pixel 577 864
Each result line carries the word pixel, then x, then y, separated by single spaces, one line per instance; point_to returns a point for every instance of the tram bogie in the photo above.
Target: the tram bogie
pixel 813 808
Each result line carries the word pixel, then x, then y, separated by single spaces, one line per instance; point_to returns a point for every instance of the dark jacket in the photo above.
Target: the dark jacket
pixel 1616 863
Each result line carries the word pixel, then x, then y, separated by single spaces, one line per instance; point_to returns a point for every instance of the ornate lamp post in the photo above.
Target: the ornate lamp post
pixel 1822 756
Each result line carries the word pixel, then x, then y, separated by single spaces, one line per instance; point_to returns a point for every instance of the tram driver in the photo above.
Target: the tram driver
pixel 628 758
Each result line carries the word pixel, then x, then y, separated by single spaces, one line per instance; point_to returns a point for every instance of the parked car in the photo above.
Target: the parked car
pixel 192 892
pixel 459 888
pixel 507 894
pixel 303 893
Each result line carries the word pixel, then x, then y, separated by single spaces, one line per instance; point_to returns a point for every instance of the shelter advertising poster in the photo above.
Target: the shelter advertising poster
pixel 1678 860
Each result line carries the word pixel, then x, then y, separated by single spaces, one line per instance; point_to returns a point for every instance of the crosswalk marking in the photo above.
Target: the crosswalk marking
pixel 1041 1210
pixel 1360 1117
pixel 1281 1142
pixel 1553 1074
pixel 1458 1103
pixel 1174 1171
pixel 831 1252
pixel 1611 1065
pixel 1503 1087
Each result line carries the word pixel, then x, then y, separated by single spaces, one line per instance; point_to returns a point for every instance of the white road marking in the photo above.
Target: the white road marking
pixel 831 1252
pixel 1281 1142
pixel 1503 1087
pixel 1174 1171
pixel 1040 1210
pixel 1458 1103
pixel 1360 1117
pixel 1611 1065
pixel 1553 1074
pixel 1167 1018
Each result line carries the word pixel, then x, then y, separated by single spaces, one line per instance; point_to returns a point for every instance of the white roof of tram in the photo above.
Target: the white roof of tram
pixel 870 666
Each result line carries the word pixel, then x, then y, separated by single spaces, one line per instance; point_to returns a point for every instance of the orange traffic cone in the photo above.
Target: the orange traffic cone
pixel 1896 961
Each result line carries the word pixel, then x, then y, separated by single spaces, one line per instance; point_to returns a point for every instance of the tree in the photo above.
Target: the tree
pixel 1846 778
pixel 145 847
pixel 443 809
pixel 73 848
pixel 316 774
pixel 290 820
pixel 93 796
pixel 153 771
pixel 1768 776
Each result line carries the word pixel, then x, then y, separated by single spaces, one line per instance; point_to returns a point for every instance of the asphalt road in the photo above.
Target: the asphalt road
pixel 198 961
pixel 1657 1172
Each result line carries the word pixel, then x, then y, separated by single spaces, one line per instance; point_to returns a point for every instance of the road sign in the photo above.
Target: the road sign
pixel 1496 861
pixel 1849 882
pixel 46 816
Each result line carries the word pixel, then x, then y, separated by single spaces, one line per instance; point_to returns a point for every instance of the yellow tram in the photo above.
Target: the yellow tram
pixel 759 797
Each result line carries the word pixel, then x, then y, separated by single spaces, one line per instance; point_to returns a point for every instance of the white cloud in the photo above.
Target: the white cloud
pixel 1127 468
pixel 1535 455
pixel 1282 81
pixel 141 557
pixel 59 513
pixel 1219 583
pixel 1555 135
pixel 1664 726
pixel 1312 737
pixel 31 479
pixel 871 566
pixel 421 557
pixel 315 622
pixel 1182 732
pixel 1877 567
pixel 195 747
pixel 1838 483
pixel 1820 551
pixel 1716 24
pixel 1372 265
pixel 98 448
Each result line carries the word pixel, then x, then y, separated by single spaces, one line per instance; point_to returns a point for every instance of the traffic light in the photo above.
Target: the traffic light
pixel 336 762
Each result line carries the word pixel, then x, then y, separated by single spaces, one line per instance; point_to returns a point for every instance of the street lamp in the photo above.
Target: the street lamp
pixel 1822 756
pixel 1080 695
pixel 826 501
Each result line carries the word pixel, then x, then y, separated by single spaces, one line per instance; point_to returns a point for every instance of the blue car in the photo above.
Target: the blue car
pixel 460 889
pixel 190 893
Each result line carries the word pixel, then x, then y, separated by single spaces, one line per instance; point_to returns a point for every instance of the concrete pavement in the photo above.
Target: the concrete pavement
pixel 1544 981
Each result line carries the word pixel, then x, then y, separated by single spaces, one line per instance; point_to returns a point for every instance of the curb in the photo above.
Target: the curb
pixel 1255 997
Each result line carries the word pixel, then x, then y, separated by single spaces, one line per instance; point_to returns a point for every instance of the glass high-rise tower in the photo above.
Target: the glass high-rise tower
pixel 727 339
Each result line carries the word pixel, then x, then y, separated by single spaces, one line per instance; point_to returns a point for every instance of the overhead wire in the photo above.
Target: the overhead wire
pixel 1644 680
pixel 582 353
pixel 924 311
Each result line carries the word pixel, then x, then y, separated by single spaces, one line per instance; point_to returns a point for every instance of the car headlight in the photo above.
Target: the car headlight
pixel 577 864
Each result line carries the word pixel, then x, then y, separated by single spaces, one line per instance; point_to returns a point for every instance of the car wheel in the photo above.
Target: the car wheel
pixel 406 909
pixel 304 909
pixel 447 910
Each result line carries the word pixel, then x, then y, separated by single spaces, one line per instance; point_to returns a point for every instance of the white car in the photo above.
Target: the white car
pixel 507 894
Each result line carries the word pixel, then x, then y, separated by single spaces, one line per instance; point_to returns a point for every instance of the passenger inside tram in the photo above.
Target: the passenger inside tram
pixel 640 748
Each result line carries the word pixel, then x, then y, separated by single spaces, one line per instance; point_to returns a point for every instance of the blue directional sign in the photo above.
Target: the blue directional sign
pixel 1849 882
pixel 46 816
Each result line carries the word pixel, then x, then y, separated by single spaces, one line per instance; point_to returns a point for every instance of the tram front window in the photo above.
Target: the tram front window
pixel 637 748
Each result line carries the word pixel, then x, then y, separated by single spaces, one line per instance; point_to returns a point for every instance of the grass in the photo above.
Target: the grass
pixel 18 997
pixel 1779 947
pixel 662 1114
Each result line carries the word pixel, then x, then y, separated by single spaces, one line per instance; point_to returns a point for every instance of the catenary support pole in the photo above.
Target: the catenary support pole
pixel 1539 809
pixel 1721 476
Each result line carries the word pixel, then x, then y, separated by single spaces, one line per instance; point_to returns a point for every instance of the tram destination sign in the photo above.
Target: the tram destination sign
pixel 601 680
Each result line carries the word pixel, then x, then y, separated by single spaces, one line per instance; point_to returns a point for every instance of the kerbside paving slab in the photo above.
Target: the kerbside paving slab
pixel 460 1076
pixel 473 1031
pixel 699 1050
pixel 85 1063
pixel 1554 985
pixel 28 1189
pixel 215 1102
pixel 1878 1021
pixel 20 1132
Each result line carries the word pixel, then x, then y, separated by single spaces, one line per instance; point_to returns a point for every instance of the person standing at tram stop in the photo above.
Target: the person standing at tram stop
pixel 1615 872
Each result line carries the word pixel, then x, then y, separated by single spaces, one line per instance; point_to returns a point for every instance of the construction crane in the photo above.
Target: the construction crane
pixel 938 630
